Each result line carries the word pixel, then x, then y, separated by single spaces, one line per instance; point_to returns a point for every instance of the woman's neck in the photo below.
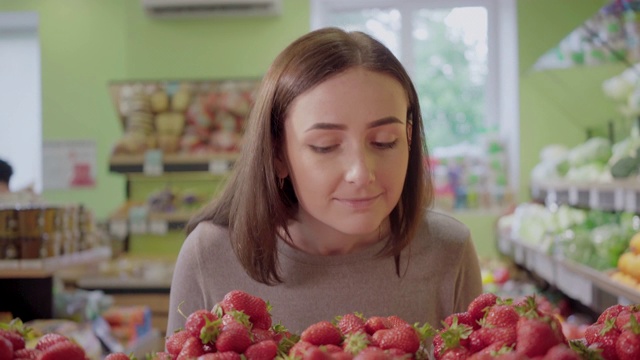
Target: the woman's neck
pixel 313 237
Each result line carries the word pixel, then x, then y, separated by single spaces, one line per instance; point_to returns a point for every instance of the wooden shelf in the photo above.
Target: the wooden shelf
pixel 617 195
pixel 593 288
pixel 31 269
pixel 213 163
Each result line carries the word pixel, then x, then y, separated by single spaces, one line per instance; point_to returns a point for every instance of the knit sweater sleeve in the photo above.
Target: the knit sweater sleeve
pixel 186 285
pixel 469 280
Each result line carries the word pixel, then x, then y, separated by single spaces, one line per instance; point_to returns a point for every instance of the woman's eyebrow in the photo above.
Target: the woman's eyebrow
pixel 332 126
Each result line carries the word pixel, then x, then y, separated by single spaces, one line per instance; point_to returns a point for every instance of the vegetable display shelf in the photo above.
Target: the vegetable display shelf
pixel 594 289
pixel 617 195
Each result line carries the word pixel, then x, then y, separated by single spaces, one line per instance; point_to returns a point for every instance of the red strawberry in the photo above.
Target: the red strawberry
pixel 463 318
pixel 234 337
pixel 477 340
pixel 341 356
pixel 477 306
pixel 623 319
pixel 502 316
pixel 502 336
pixel 6 348
pixel 227 355
pixel 256 308
pixel 63 350
pixel 300 348
pixel 610 312
pixel 350 323
pixel 259 335
pixel 48 340
pixel 197 320
pixel 458 353
pixel 316 353
pixel 176 342
pixel 117 356
pixel 264 350
pixel 591 332
pixel 30 354
pixel 376 323
pixel 16 339
pixel 162 356
pixel 606 340
pixel 322 333
pixel 192 348
pixel 628 343
pixel 403 338
pixel 535 336
pixel 372 353
pixel 397 321
pixel 561 352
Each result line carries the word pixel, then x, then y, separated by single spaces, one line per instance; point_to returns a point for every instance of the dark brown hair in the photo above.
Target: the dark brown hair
pixel 252 205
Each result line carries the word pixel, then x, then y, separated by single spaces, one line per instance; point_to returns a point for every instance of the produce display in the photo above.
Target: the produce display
pixel 628 271
pixel 240 326
pixel 182 116
pixel 591 237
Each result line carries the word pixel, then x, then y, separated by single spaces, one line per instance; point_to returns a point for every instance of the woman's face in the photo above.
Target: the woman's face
pixel 347 150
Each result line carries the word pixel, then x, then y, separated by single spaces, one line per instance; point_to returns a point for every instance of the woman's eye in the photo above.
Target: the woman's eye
pixel 385 145
pixel 323 149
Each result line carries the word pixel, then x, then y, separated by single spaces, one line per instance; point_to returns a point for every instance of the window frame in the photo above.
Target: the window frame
pixel 502 85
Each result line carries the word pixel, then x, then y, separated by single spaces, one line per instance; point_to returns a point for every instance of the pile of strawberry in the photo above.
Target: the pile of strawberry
pixel 238 326
pixel 496 328
pixel 615 335
pixel 352 336
pixel 49 347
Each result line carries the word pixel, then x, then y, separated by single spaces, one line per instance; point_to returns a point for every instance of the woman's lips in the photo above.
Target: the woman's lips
pixel 359 203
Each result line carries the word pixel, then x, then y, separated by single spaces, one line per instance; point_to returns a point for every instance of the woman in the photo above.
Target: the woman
pixel 325 212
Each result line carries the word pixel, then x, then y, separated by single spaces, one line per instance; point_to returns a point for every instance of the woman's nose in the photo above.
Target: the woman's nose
pixel 361 169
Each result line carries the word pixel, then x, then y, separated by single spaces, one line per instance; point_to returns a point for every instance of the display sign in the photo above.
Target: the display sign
pixel 68 164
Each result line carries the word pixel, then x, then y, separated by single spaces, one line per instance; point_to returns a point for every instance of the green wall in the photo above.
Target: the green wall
pixel 85 44
pixel 88 43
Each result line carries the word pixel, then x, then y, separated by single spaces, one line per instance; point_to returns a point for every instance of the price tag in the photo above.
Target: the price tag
pixel 138 220
pixel 118 228
pixel 630 201
pixel 543 265
pixel 575 286
pixel 573 196
pixel 153 165
pixel 158 227
pixel 552 197
pixel 594 199
pixel 218 167
pixel 618 199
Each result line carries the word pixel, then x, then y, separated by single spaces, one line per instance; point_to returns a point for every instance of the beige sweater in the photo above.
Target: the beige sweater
pixel 442 277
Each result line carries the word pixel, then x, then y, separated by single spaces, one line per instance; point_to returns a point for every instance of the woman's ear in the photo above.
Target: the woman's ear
pixel 409 132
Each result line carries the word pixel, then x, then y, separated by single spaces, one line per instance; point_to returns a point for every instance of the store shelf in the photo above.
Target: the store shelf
pixel 213 163
pixel 41 268
pixel 617 195
pixel 155 223
pixel 593 288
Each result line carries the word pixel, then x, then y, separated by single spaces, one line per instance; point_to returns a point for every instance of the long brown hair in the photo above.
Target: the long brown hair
pixel 252 205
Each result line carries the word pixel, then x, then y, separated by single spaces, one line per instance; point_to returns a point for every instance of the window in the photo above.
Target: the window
pixel 462 57
pixel 20 109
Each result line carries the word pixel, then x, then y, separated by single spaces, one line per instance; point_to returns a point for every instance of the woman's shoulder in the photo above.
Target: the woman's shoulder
pixel 207 234
pixel 437 225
